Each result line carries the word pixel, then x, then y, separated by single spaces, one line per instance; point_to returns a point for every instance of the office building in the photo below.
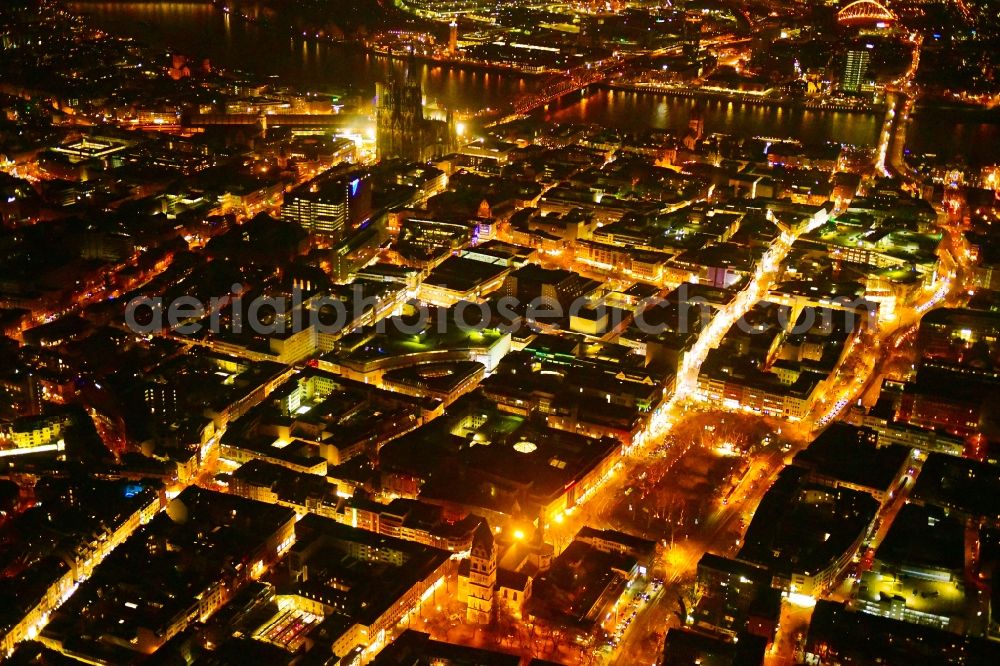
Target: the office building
pixel 329 207
pixel 855 69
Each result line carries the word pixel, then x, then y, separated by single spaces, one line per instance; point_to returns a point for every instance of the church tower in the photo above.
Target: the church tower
pixel 399 117
pixel 482 575
pixel 401 130
pixel 696 128
pixel 452 38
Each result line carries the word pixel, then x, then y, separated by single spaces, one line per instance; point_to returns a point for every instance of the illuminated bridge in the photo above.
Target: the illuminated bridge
pixel 558 86
pixel 862 12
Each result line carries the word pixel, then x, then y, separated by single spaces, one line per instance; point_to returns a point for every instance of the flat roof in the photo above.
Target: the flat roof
pixel 616 536
pixel 463 274
pixel 924 537
pixel 844 452
pixel 802 528
pixel 859 638
pixel 684 647
pixel 415 647
pixel 969 486
pixel 475 447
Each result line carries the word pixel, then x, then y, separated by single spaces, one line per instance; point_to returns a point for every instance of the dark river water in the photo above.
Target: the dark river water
pixel 200 30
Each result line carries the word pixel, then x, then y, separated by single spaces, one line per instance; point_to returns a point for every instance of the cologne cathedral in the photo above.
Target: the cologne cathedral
pixel 401 129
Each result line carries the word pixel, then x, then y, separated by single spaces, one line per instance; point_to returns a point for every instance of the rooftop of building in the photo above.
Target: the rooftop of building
pixel 721 365
pixel 955 319
pixel 684 647
pixel 719 255
pixel 479 456
pixel 924 538
pixel 400 339
pixel 523 373
pixel 321 407
pixel 69 513
pixel 856 637
pixel 802 528
pixel 212 379
pixel 729 566
pixel 289 485
pixel 362 573
pixel 850 454
pixel 462 274
pixel 629 541
pixel 445 377
pixel 415 647
pixel 216 529
pixel 973 384
pixel 903 244
pixel 538 274
pixel 582 582
pixel 959 484
pixel 331 185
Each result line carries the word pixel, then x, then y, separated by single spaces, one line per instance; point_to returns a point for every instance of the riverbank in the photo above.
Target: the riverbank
pixel 968 112
pixel 748 98
pixel 200 31
pixel 460 63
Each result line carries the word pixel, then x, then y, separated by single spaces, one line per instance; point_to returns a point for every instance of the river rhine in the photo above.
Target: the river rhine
pixel 199 30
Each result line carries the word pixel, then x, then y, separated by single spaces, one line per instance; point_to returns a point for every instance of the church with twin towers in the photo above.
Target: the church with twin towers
pixel 401 130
